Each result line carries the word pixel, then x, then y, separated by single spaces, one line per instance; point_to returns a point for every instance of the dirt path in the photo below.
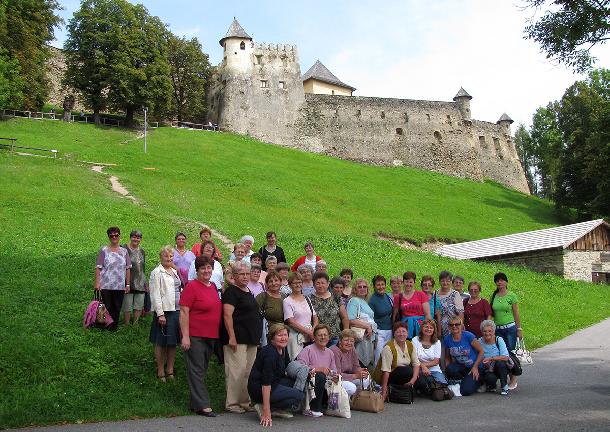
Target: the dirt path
pixel 122 190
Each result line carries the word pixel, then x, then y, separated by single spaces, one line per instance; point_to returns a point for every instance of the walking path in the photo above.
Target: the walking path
pixel 567 389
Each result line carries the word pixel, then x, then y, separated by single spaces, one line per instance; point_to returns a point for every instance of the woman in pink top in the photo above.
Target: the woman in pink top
pixel 411 306
pixel 300 316
pixel 321 363
pixel 348 366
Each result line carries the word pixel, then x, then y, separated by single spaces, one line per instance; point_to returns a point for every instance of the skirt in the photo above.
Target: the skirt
pixel 168 335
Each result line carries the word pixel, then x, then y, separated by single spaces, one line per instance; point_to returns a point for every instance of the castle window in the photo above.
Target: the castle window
pixel 406 118
pixel 333 92
pixel 482 142
pixel 259 59
pixel 358 113
pixel 282 84
pixel 264 84
pixel 242 45
pixel 428 117
pixel 382 114
pixel 498 148
pixel 438 137
pixel 399 131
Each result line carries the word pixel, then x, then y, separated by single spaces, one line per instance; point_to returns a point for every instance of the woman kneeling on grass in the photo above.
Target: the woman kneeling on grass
pixel 270 389
pixel 164 288
pixel 398 364
pixel 200 313
pixel 463 354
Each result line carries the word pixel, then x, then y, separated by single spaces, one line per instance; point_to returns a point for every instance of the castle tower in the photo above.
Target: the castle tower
pixel 462 98
pixel 238 46
pixel 505 121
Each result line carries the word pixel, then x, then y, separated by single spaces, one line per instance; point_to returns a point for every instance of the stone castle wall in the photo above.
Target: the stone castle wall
pixel 56 67
pixel 423 134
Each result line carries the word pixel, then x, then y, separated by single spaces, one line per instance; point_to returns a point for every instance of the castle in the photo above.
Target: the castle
pixel 258 90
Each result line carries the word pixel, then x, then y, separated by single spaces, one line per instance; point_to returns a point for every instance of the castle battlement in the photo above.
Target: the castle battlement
pixel 271 47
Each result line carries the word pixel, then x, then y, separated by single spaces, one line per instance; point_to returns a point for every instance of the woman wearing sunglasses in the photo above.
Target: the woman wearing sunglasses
pixel 112 274
pixel 463 354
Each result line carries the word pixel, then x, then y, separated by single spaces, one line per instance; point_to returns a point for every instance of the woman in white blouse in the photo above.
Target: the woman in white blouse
pixel 428 348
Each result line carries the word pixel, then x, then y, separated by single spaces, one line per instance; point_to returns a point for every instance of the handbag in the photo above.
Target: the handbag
pixel 367 400
pixel 522 353
pixel 513 364
pixel 102 316
pixel 360 332
pixel 338 400
pixel 402 394
pixel 440 392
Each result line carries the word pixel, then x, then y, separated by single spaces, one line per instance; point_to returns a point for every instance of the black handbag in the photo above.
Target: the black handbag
pixel 516 368
pixel 402 394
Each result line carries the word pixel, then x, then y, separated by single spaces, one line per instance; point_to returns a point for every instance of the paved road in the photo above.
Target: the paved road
pixel 567 389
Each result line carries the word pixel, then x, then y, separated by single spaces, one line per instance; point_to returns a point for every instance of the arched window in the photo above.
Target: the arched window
pixel 242 45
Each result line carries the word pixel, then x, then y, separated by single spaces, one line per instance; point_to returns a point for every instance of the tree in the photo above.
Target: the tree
pixel 139 66
pixel 87 48
pixel 26 26
pixel 546 147
pixel 190 70
pixel 11 82
pixel 583 116
pixel 568 31
pixel 523 145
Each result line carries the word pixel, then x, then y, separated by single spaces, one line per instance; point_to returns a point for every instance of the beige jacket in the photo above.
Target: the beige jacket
pixel 162 292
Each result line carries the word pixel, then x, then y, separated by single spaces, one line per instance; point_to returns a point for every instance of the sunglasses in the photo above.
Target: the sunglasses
pixel 454 324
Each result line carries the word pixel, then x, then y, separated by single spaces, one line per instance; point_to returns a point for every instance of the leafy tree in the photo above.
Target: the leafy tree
pixel 546 146
pixel 26 26
pixel 569 29
pixel 190 70
pixel 87 49
pixel 139 66
pixel 11 82
pixel 583 116
pixel 523 145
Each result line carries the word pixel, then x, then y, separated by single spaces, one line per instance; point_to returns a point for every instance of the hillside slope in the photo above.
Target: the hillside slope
pixel 54 214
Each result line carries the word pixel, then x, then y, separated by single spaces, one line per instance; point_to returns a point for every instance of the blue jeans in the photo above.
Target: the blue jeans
pixel 509 335
pixel 457 371
pixel 286 397
pixel 438 377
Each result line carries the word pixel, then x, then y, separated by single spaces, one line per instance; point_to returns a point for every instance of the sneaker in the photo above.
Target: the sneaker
pixel 481 389
pixel 504 391
pixel 280 413
pixel 310 413
pixel 259 410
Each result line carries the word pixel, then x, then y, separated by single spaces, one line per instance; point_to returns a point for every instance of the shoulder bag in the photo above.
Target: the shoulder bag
pixel 368 400
pixel 360 332
pixel 402 394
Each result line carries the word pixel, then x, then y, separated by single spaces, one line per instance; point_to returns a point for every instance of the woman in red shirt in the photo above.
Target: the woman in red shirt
pixel 411 306
pixel 476 309
pixel 200 312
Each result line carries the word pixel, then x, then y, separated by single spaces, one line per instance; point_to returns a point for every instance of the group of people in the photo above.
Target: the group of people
pixel 279 328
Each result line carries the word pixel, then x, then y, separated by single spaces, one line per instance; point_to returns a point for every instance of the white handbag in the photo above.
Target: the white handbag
pixel 338 400
pixel 522 353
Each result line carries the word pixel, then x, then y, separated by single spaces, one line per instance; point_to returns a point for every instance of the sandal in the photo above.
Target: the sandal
pixel 161 378
pixel 170 376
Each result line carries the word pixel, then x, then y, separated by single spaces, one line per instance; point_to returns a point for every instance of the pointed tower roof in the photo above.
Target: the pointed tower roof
pixel 462 93
pixel 235 31
pixel 321 73
pixel 505 117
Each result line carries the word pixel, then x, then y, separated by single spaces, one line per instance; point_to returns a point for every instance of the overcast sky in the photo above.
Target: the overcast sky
pixel 412 49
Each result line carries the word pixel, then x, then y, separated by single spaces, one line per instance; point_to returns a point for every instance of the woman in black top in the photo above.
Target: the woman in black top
pixel 268 386
pixel 243 325
pixel 271 248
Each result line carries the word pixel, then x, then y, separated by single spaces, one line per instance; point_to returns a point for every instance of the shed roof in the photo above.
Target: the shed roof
pixel 321 73
pixel 549 238
pixel 235 31
pixel 505 117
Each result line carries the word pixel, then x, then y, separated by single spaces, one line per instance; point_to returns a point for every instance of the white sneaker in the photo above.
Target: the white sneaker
pixel 282 414
pixel 310 413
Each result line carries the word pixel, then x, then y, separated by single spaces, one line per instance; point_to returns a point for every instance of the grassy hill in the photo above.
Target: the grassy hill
pixel 54 214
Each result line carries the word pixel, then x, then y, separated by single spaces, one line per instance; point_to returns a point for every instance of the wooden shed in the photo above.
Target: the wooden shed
pixel 578 251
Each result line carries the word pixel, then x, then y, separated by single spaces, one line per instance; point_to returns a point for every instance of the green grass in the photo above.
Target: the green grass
pixel 54 214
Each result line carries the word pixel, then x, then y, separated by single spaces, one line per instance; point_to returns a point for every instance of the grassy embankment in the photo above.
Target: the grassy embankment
pixel 54 215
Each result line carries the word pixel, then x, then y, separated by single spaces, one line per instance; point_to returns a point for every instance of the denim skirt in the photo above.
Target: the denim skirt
pixel 169 334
